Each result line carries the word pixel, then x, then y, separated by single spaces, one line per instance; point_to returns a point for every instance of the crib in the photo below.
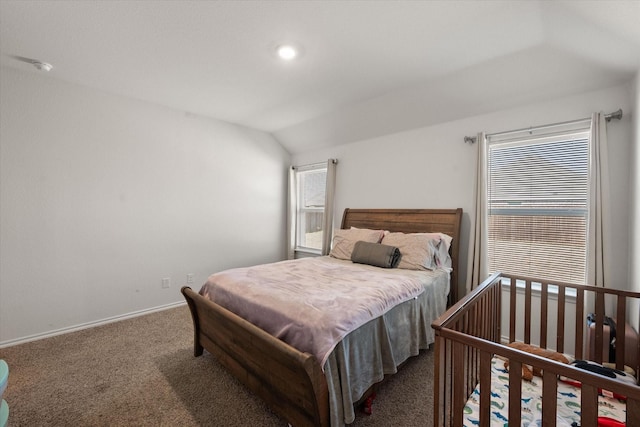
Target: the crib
pixel 471 340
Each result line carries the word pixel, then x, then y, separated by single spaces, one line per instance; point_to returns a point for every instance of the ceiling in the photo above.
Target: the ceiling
pixel 367 68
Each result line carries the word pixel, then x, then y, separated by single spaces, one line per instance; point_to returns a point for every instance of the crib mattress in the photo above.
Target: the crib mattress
pixel 568 409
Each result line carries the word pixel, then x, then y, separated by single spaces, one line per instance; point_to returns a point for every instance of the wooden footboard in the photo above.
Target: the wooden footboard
pixel 549 315
pixel 290 382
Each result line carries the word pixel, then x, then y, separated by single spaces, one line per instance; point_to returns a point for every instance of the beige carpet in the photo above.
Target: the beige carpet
pixel 141 372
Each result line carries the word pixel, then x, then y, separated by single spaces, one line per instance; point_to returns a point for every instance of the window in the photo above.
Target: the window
pixel 311 185
pixel 537 205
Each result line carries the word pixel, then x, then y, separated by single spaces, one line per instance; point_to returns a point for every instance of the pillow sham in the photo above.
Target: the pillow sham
pixel 345 240
pixel 375 254
pixel 442 244
pixel 443 259
pixel 417 249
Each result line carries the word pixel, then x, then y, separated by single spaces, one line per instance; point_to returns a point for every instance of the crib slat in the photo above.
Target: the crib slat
pixel 439 379
pixel 515 392
pixel 482 330
pixel 549 398
pixel 621 315
pixel 560 320
pixel 588 406
pixel 485 388
pixel 469 354
pixel 470 328
pixel 633 413
pixel 599 325
pixel 449 395
pixel 482 317
pixel 497 326
pixel 544 300
pixel 512 310
pixel 527 312
pixel 459 392
pixel 579 343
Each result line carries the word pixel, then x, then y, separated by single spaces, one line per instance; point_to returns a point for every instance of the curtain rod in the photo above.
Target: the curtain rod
pixel 315 165
pixel 617 115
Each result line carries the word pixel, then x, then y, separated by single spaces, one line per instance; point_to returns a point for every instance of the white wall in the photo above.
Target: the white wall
pixel 432 167
pixel 101 197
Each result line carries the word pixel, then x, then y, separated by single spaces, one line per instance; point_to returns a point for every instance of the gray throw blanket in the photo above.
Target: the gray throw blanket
pixel 375 254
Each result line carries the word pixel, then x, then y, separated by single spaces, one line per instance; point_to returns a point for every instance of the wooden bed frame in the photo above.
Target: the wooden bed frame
pixel 292 383
pixel 470 333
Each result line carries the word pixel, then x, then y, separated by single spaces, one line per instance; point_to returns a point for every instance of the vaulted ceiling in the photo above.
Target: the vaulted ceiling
pixel 366 68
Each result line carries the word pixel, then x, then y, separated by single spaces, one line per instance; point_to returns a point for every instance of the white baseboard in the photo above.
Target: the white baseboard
pixel 87 325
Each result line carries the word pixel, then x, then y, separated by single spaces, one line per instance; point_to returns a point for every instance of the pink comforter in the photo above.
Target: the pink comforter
pixel 313 303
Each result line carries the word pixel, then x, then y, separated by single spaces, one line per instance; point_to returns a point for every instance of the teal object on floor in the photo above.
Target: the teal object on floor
pixel 4 376
pixel 4 379
pixel 4 413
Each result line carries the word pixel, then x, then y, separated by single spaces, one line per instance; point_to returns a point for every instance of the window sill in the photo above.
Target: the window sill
pixel 536 290
pixel 306 252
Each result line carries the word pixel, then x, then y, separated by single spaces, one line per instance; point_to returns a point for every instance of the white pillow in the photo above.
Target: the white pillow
pixel 418 250
pixel 443 259
pixel 345 240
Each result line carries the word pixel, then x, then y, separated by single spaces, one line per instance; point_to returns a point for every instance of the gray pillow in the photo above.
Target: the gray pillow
pixel 375 254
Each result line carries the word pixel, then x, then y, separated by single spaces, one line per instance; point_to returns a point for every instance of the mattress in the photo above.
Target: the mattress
pixel 568 408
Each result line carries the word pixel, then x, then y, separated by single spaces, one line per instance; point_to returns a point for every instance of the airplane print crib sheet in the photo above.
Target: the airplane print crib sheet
pixel 568 410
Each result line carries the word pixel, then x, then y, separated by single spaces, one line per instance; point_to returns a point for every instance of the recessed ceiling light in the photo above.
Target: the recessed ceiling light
pixel 42 66
pixel 287 52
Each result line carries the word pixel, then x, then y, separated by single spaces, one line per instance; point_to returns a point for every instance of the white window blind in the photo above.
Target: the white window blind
pixel 537 205
pixel 311 186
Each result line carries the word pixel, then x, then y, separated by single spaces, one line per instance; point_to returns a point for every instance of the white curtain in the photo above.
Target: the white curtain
pixel 329 196
pixel 477 256
pixel 599 244
pixel 291 214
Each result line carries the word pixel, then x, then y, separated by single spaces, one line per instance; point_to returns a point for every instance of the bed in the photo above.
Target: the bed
pixel 472 386
pixel 294 383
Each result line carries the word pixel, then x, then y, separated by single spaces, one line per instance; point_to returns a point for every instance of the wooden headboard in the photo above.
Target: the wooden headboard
pixel 445 221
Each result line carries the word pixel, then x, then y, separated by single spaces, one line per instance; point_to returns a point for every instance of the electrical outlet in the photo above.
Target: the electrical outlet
pixel 166 282
pixel 190 279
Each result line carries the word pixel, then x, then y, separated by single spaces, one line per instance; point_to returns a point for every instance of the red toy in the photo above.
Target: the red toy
pixel 368 403
pixel 609 422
